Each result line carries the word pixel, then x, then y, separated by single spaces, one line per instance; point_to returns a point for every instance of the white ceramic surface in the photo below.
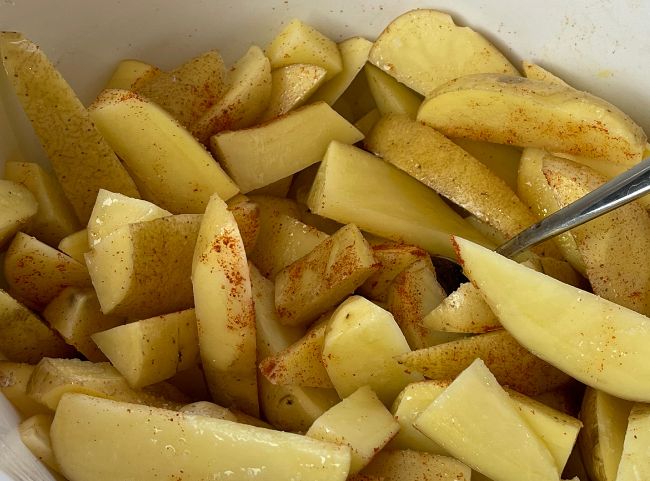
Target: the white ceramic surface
pixel 598 45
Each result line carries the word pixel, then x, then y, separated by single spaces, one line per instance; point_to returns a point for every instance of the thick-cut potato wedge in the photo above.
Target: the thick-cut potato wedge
pixel 175 171
pixel 353 186
pixel 361 342
pixel 82 160
pixel 361 422
pixel 635 464
pixel 55 218
pixel 356 101
pixel 75 245
pixel 504 446
pixel 76 315
pixel 616 246
pixel 189 90
pixel 424 49
pixel 511 364
pixel 301 43
pixel 143 269
pixel 536 72
pixel 354 54
pixel 501 159
pixel 439 163
pixel 17 208
pixel 208 409
pixel 247 217
pixel 36 273
pixel 14 377
pixel 279 188
pixel 282 141
pixel 368 121
pixel 84 427
pixel 533 113
pixel 130 74
pixel 404 464
pixel 35 434
pixel 245 100
pixel 291 86
pixel 391 96
pixel 152 350
pixel 225 314
pixel 595 341
pixel 324 277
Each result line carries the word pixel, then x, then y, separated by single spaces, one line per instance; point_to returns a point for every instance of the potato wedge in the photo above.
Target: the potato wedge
pixel 356 101
pixel 208 409
pixel 291 86
pixel 391 96
pixel 424 49
pixel 35 434
pixel 533 113
pixel 18 208
pixel 536 72
pixel 82 160
pixel 634 464
pixel 403 464
pixel 501 159
pixel 14 377
pixel 75 245
pixel 129 74
pixel 368 121
pixel 279 188
pixel 247 217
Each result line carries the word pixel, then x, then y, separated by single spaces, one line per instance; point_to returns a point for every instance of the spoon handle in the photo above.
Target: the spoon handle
pixel 626 187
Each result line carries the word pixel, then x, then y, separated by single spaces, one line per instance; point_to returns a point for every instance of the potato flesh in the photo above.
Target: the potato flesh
pixel 75 245
pixel 129 74
pixel 291 86
pixel 247 217
pixel 501 159
pixel 536 72
pixel 391 96
pixel 35 434
pixel 14 377
pixel 634 464
pixel 368 121
pixel 17 207
pixel 403 464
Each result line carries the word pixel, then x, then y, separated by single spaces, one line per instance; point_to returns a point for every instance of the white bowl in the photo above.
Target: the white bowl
pixel 600 46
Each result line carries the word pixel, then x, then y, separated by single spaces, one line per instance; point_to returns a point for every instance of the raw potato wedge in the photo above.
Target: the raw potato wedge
pixel 356 101
pixel 361 342
pixel 225 314
pixel 368 121
pixel 511 364
pixel 440 164
pixel 359 421
pixel 17 208
pixel 354 54
pixel 130 74
pixel 175 171
pixel 82 160
pixel 404 464
pixel 189 90
pixel 533 113
pixel 504 446
pixel 247 217
pixel 282 141
pixel 75 245
pixel 35 434
pixel 616 246
pixel 14 377
pixel 208 409
pixel 244 102
pixel 536 72
pixel 424 49
pixel 353 186
pixel 83 426
pixel 501 159
pixel 291 86
pixel 301 43
pixel 324 277
pixel 36 273
pixel 144 269
pixel 635 464
pixel 595 341
pixel 55 218
pixel 152 350
pixel 391 96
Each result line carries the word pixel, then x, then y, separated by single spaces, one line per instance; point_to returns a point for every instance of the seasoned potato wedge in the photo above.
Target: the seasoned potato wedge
pixel 291 86
pixel 247 217
pixel 35 434
pixel 536 72
pixel 14 377
pixel 635 465
pixel 501 159
pixel 404 464
pixel 75 245
pixel 18 208
pixel 129 74
pixel 391 96
pixel 208 409
pixel 356 101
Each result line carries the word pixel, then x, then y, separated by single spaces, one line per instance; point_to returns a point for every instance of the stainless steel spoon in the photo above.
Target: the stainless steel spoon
pixel 628 186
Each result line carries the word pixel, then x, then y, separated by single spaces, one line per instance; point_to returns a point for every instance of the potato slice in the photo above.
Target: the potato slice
pixel 76 315
pixel 403 464
pixel 55 218
pixel 501 159
pixel 36 273
pixel 536 72
pixel 75 245
pixel 35 434
pixel 361 342
pixel 361 422
pixel 424 49
pixel 354 54
pixel 597 342
pixel 301 43
pixel 391 96
pixel 504 447
pixel 511 364
pixel 368 121
pixel 533 113
pixel 84 425
pixel 152 350
pixel 247 217
pixel 18 208
pixel 281 140
pixel 635 465
pixel 190 89
pixel 353 186
pixel 291 86
pixel 82 160
pixel 244 102
pixel 130 74
pixel 14 377
pixel 166 161
pixel 143 269
pixel 324 277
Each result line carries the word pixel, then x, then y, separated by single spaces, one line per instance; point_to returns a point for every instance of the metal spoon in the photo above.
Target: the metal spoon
pixel 628 186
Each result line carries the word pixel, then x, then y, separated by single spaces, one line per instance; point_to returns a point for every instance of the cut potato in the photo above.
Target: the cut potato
pixel 14 377
pixel 244 102
pixel 356 101
pixel 247 217
pixel 301 43
pixel 533 113
pixel 353 186
pixel 368 121
pixel 84 427
pixel 208 409
pixel 279 188
pixel 281 140
pixel 511 364
pixel 225 314
pixel 152 350
pixel 403 464
pixel 82 160
pixel 129 74
pixel 361 342
pixel 391 96
pixel 36 273
pixel 324 277
pixel 501 159
pixel 35 434
pixel 424 49
pixel 18 208
pixel 635 461
pixel 536 72
pixel 55 218
pixel 143 269
pixel 175 171
pixel 361 422
pixel 291 86
pixel 595 341
pixel 75 245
